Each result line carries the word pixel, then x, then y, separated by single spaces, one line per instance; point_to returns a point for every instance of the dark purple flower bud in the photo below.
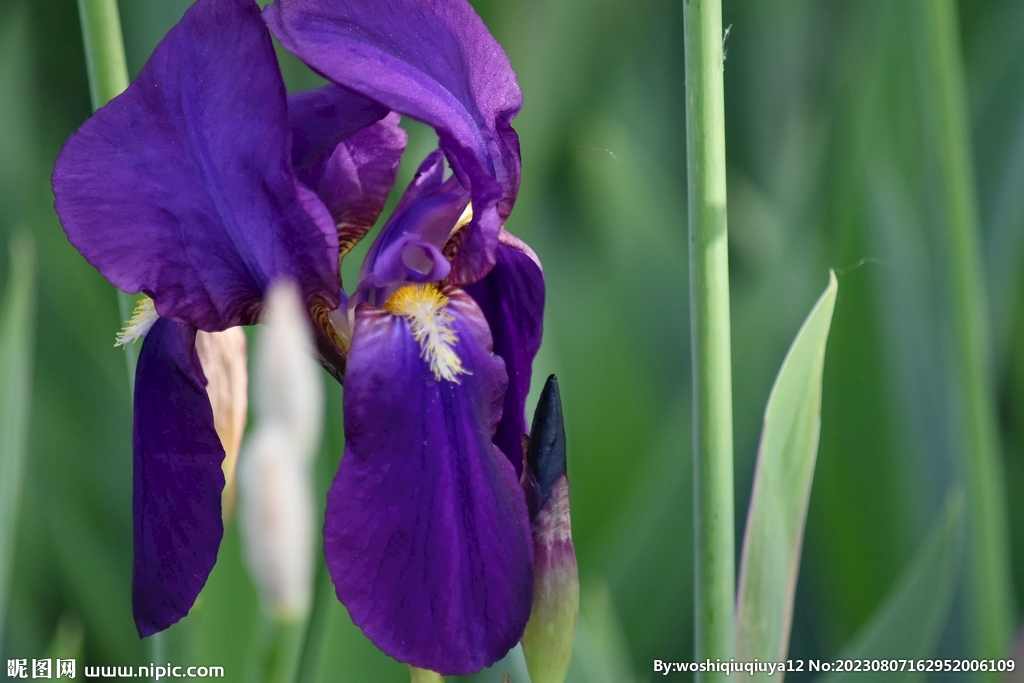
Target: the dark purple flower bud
pixel 549 636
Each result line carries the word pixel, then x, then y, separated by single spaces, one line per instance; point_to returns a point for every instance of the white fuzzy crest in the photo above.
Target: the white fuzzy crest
pixel 143 318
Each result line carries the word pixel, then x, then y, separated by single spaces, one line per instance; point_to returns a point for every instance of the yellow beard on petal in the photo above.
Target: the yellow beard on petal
pixel 142 319
pixel 425 307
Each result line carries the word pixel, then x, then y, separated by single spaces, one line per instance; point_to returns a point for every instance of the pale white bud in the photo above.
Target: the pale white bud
pixel 277 513
pixel 224 357
pixel 275 470
pixel 289 387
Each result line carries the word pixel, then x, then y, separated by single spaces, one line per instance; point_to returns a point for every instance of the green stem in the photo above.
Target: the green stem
pixel 283 650
pixel 108 77
pixel 714 543
pixel 17 357
pixel 325 602
pixel 311 657
pixel 174 646
pixel 104 50
pixel 424 676
pixel 989 578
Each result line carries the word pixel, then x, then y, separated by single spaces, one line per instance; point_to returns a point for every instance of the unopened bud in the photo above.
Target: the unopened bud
pixel 289 387
pixel 277 514
pixel 275 472
pixel 223 356
pixel 551 631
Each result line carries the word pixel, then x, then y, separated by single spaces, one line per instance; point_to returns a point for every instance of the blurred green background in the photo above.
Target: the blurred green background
pixel 832 164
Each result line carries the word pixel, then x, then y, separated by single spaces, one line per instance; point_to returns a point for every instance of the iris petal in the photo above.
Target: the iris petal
pixel 427 535
pixel 428 178
pixel 435 61
pixel 358 177
pixel 408 248
pixel 511 297
pixel 322 119
pixel 176 498
pixel 427 209
pixel 182 186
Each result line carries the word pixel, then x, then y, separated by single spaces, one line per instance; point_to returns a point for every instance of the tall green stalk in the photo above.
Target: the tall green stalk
pixel 315 640
pixel 104 50
pixel 282 649
pixel 424 676
pixel 108 77
pixel 714 575
pixel 989 578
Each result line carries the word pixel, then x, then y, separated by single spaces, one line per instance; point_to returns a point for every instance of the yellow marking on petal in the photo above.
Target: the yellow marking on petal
pixel 464 219
pixel 425 307
pixel 349 235
pixel 324 318
pixel 142 319
pixel 455 237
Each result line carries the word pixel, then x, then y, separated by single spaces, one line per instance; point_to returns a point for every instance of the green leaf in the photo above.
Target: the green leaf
pixel 17 325
pixel 600 652
pixel 226 617
pixel 782 487
pixel 909 622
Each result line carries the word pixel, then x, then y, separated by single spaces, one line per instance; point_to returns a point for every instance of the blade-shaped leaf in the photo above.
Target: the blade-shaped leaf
pixel 908 623
pixel 600 652
pixel 17 324
pixel 782 487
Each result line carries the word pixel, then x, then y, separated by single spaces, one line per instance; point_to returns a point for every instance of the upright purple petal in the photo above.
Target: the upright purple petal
pixel 428 178
pixel 182 186
pixel 177 480
pixel 511 297
pixel 322 119
pixel 427 534
pixel 408 248
pixel 347 149
pixel 435 61
pixel 358 176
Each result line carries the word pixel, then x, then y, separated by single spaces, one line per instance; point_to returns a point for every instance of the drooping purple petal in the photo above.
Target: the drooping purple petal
pixel 511 297
pixel 435 61
pixel 182 187
pixel 358 176
pixel 322 119
pixel 427 534
pixel 178 480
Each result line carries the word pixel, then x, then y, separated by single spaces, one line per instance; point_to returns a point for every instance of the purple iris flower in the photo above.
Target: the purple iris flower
pixel 204 183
